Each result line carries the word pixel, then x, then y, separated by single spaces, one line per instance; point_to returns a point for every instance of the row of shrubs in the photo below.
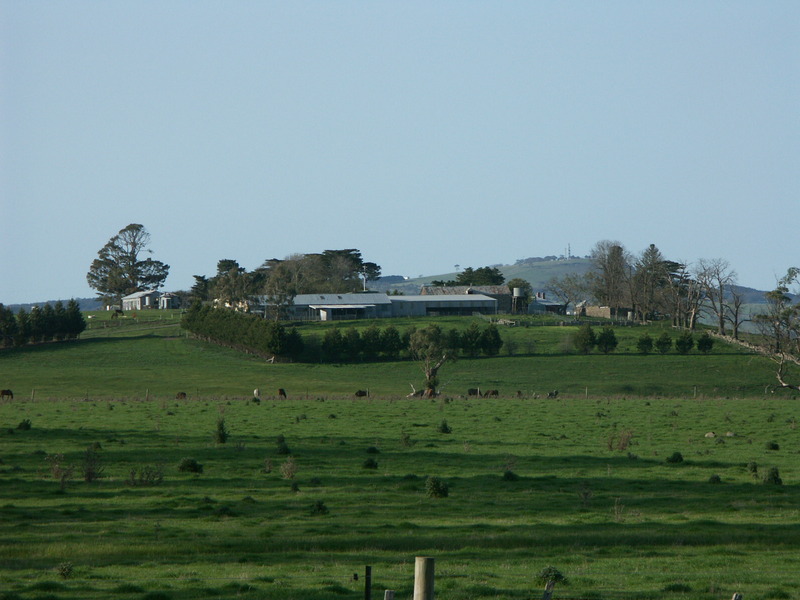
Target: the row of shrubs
pixel 42 324
pixel 606 341
pixel 268 338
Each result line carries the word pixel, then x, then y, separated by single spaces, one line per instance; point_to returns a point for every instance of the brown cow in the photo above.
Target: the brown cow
pixel 180 396
pixel 6 395
pixel 282 393
pixel 491 394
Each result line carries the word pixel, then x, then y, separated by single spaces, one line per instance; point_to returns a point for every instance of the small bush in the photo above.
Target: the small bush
pixel 510 476
pixel 435 487
pixel 289 468
pixel 373 450
pixel 675 458
pixel 221 434
pixel 24 425
pixel 773 477
pixel 92 467
pixel 190 465
pixel 752 468
pixel 715 479
pixel 281 447
pixel 444 427
pixel 64 570
pixel 370 463
pixel 319 508
pixel 148 475
pixel 772 446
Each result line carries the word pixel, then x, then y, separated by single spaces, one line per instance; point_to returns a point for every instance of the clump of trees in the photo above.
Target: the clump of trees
pixel 47 323
pixel 276 282
pixel 470 276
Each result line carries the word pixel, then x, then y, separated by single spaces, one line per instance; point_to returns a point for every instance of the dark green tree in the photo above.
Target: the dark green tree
pixel 491 342
pixel 663 343
pixel 8 326
pixel 607 340
pixel 471 340
pixel 391 344
pixel 584 339
pixel 644 344
pixel 705 343
pixel 119 268
pixel 76 324
pixel 684 343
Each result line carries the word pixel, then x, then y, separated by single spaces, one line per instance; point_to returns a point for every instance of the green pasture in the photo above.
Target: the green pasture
pixel 580 484
pixel 151 357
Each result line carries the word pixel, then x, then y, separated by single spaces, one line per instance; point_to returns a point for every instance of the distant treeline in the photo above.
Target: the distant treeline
pixel 256 335
pixel 47 323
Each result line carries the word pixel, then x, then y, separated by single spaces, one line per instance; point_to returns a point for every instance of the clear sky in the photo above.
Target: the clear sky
pixel 424 133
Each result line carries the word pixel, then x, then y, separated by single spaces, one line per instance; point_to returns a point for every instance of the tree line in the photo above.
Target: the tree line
pixel 42 324
pixel 649 286
pixel 254 334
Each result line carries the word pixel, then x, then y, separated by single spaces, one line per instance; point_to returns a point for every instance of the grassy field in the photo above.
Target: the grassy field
pixel 151 357
pixel 582 483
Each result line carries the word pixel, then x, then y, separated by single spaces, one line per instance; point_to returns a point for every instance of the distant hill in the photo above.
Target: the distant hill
pixel 85 304
pixel 536 271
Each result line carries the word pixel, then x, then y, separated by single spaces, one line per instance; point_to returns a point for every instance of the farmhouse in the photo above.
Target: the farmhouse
pixel 369 305
pixel 541 304
pixel 140 300
pixel 150 299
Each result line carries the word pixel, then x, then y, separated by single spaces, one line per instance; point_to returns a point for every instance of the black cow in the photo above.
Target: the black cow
pixel 362 393
pixel 6 395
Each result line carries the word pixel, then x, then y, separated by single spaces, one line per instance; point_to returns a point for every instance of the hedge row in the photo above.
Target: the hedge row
pixel 42 324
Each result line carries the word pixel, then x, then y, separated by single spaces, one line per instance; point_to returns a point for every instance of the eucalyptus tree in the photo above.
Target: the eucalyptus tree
pixel 780 326
pixel 716 277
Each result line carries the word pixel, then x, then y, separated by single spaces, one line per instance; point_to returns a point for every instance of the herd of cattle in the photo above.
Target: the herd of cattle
pixel 426 393
pixel 471 392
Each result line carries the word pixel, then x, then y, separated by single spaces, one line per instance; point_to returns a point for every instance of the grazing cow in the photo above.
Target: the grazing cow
pixel 520 394
pixel 6 395
pixel 282 393
pixel 711 434
pixel 474 392
pixel 362 393
pixel 491 394
pixel 180 396
pixel 553 394
pixel 256 393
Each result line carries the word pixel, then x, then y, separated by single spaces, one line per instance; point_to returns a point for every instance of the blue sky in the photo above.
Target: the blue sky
pixel 426 134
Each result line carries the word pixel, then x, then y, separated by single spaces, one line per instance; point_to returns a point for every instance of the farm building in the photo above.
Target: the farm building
pixel 501 293
pixel 541 304
pixel 440 305
pixel 329 307
pixel 140 300
pixel 150 299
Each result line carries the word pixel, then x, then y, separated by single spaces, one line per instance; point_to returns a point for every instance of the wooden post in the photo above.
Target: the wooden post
pixel 368 583
pixel 388 595
pixel 423 578
pixel 737 596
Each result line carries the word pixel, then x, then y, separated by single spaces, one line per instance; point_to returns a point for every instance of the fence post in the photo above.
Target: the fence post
pixel 368 583
pixel 388 595
pixel 423 578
